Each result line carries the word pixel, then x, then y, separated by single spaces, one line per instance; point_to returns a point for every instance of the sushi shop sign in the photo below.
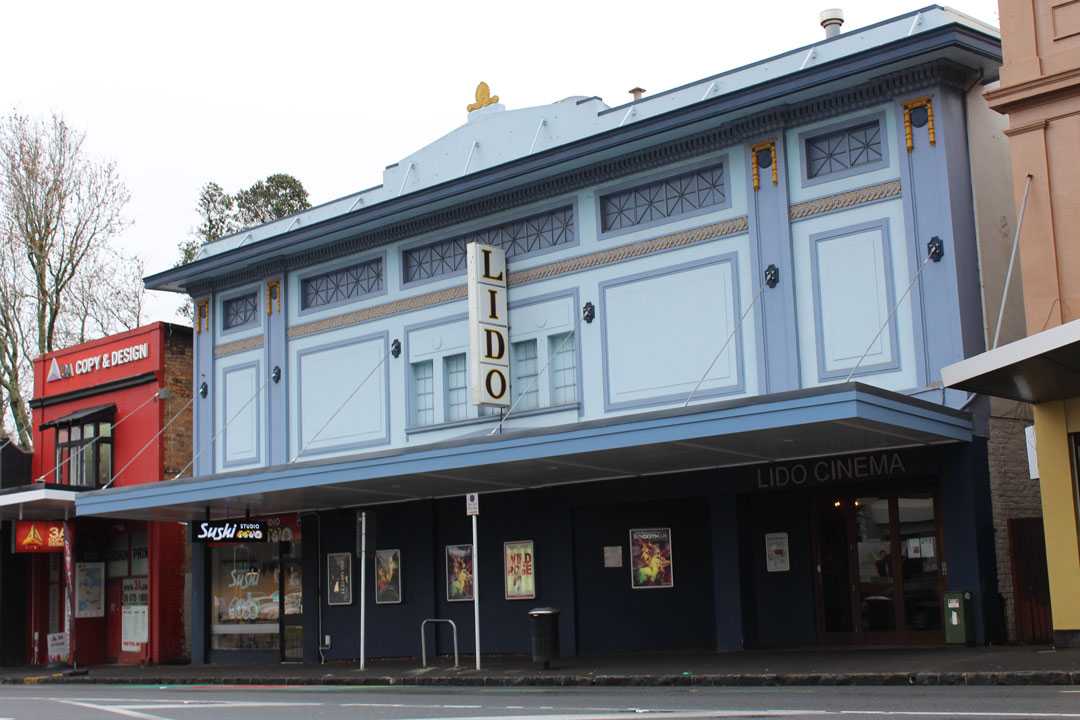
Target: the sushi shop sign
pixel 230 531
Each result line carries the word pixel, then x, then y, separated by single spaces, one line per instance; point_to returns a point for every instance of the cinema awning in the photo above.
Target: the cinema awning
pixel 1039 368
pixel 825 421
pixel 37 502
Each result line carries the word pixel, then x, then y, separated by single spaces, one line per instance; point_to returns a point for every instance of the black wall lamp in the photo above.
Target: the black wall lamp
pixel 588 312
pixel 276 374
pixel 395 348
pixel 203 389
pixel 772 276
pixel 935 249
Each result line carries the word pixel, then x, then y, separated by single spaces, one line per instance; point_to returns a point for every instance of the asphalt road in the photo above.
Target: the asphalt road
pixel 70 702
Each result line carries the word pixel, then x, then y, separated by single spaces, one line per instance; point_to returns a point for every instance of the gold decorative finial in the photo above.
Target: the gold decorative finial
pixel 483 97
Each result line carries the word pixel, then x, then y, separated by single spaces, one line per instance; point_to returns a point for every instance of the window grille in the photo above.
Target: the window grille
pixel 664 199
pixel 240 310
pixel 844 149
pixel 342 285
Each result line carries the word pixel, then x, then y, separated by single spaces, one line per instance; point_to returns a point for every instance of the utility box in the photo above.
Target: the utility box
pixel 958 619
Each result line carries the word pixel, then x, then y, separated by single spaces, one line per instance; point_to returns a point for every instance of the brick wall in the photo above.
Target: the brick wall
pixel 178 368
pixel 1014 494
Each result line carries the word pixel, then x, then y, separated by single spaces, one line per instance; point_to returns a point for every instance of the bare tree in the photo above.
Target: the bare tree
pixel 60 212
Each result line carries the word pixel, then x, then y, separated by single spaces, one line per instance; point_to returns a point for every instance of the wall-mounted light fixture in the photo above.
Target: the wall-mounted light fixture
pixel 588 312
pixel 275 374
pixel 772 276
pixel 203 389
pixel 935 249
pixel 395 348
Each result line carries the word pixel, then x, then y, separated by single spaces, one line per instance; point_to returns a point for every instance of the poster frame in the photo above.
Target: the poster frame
pixel 400 578
pixel 506 570
pixel 671 553
pixel 97 606
pixel 335 599
pixel 472 568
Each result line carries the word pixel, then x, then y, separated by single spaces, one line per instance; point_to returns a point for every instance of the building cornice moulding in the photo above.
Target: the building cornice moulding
pixel 876 91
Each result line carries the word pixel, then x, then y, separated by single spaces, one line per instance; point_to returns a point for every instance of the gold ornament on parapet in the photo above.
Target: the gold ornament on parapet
pixel 483 97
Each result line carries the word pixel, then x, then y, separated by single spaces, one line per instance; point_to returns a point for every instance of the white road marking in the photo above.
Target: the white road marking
pixel 113 710
pixel 694 715
pixel 958 713
pixel 213 705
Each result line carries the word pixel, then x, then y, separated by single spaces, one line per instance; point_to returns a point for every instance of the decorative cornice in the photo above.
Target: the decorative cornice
pixel 873 92
pixel 238 346
pixel 621 253
pixel 845 200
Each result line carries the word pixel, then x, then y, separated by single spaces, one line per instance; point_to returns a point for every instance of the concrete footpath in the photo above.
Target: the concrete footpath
pixel 916 667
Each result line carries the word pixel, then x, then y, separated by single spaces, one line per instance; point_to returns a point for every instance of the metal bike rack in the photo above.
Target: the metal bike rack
pixel 423 640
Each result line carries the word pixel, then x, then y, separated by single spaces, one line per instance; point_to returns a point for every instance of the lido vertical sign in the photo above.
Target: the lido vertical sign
pixel 489 326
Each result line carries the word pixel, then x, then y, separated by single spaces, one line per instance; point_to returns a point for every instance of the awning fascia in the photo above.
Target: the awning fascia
pixel 38 503
pixel 912 421
pixel 1039 368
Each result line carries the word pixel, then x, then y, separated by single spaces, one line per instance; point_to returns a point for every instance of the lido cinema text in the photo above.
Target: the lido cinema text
pixel 685 353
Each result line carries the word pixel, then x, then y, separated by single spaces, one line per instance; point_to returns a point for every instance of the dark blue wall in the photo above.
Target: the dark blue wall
pixel 782 606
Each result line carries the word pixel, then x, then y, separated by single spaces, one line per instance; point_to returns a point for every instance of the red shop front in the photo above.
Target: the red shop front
pixel 112 412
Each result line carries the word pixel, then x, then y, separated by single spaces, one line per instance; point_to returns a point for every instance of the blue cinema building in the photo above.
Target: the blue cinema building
pixel 729 306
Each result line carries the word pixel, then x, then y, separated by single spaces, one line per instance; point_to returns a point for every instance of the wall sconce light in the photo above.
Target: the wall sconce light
pixel 772 276
pixel 203 389
pixel 395 348
pixel 935 249
pixel 588 312
pixel 275 375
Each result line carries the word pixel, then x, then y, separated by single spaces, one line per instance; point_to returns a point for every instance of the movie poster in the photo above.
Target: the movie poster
pixel 387 577
pixel 650 559
pixel 339 579
pixel 459 572
pixel 519 570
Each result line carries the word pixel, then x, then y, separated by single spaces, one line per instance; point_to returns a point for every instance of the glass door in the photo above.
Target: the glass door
pixel 292 601
pixel 878 563
pixel 875 573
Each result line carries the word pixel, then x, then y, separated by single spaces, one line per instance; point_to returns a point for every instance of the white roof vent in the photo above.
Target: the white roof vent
pixel 831 20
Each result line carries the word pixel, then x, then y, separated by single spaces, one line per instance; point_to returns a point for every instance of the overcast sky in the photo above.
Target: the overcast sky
pixel 182 93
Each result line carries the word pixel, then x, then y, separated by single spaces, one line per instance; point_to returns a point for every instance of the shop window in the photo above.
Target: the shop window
pixel 244 583
pixel 84 454
pixel 563 369
pixel 423 393
pixel 140 554
pixel 457 387
pixel 524 385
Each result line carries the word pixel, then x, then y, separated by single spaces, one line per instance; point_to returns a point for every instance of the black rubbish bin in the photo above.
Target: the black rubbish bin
pixel 544 628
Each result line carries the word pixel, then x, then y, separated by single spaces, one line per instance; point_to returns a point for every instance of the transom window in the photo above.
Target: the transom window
pixel 518 238
pixel 342 285
pixel 84 454
pixel 239 311
pixel 842 150
pixel 687 193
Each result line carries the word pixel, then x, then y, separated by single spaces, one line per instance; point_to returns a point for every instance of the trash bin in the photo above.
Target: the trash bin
pixel 958 619
pixel 544 629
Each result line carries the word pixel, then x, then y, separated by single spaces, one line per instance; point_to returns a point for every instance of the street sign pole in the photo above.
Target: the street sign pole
pixel 472 507
pixel 363 588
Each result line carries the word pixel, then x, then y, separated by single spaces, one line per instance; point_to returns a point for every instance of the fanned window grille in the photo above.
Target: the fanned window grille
pixel 842 150
pixel 239 311
pixel 664 199
pixel 519 238
pixel 342 285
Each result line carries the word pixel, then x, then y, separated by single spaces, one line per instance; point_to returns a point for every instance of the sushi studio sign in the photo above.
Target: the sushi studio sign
pixel 829 470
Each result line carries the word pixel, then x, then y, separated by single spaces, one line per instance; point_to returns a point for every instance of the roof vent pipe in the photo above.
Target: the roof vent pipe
pixel 831 20
pixel 637 92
